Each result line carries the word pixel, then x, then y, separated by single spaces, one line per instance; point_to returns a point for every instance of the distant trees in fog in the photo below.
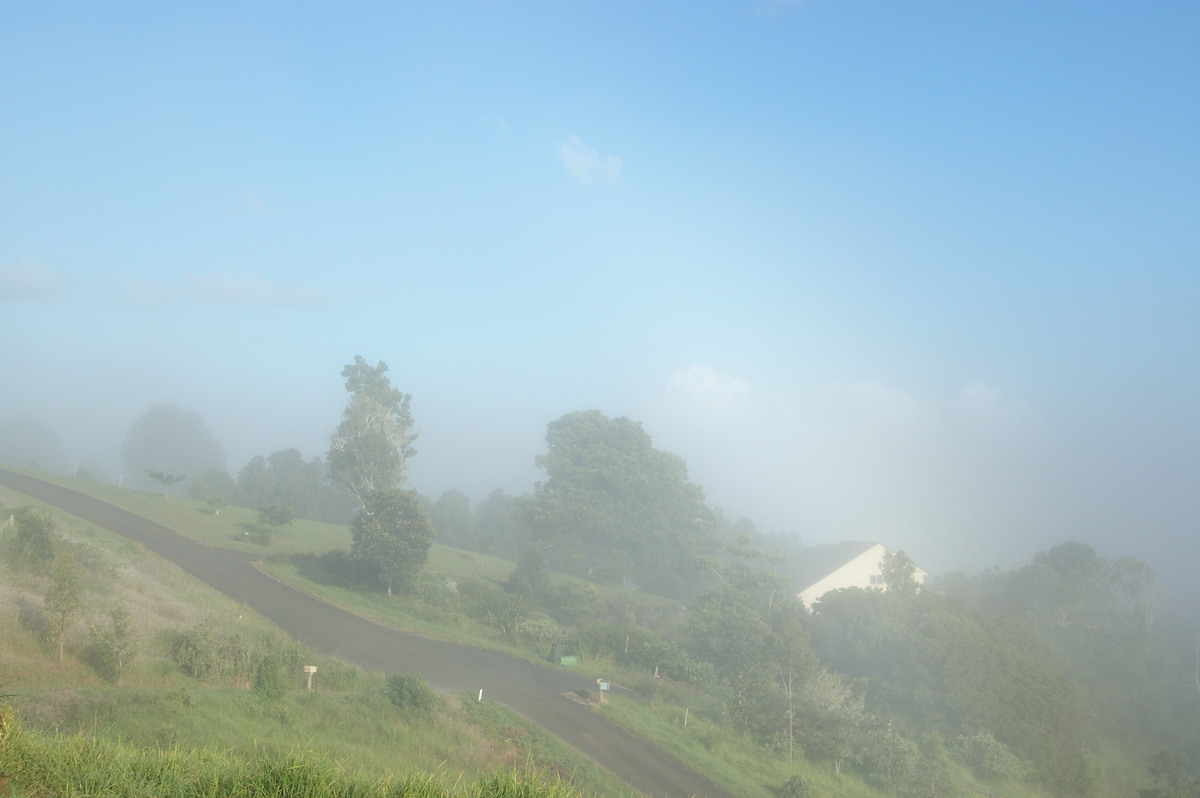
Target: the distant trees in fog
pixel 167 439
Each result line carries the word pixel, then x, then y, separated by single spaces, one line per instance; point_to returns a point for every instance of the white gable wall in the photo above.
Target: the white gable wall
pixel 856 573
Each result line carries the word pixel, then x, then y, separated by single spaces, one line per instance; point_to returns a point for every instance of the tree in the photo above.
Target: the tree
pixel 899 573
pixel 453 520
pixel 614 506
pixel 170 440
pixel 64 597
pixel 166 480
pixel 369 449
pixel 392 532
pixel 35 537
pixel 216 502
pixel 116 643
pixel 275 516
pixel 215 482
pixel 499 526
pixel 932 776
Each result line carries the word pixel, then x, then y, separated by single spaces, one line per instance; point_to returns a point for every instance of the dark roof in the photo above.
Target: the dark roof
pixel 814 563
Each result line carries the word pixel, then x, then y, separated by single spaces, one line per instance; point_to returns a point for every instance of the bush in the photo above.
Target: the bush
pixel 795 787
pixel 270 678
pixel 35 541
pixel 989 759
pixel 409 693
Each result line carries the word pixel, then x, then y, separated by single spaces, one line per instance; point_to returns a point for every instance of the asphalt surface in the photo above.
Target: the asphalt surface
pixel 540 693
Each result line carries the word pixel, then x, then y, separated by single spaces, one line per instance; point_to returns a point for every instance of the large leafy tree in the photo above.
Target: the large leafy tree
pixel 370 448
pixel 392 532
pixel 615 506
pixel 368 454
pixel 171 441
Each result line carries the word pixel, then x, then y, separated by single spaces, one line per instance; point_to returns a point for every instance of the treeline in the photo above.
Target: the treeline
pixel 284 479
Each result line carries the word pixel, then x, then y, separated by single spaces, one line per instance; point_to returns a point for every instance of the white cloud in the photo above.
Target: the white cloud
pixel 30 282
pixel 586 165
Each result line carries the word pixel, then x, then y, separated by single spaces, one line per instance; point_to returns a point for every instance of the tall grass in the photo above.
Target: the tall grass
pixel 37 763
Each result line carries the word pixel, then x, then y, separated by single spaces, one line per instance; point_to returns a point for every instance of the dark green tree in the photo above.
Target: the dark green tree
pixel 392 532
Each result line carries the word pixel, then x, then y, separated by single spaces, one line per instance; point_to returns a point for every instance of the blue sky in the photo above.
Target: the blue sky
pixel 919 272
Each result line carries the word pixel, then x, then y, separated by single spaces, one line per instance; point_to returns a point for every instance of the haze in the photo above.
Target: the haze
pixel 919 273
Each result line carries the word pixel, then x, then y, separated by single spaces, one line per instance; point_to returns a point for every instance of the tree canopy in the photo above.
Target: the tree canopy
pixel 615 506
pixel 370 447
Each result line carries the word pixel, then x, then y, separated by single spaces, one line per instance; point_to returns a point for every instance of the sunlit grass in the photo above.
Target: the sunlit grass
pixel 105 766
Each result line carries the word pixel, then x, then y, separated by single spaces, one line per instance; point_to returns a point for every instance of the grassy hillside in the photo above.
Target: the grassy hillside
pixel 161 713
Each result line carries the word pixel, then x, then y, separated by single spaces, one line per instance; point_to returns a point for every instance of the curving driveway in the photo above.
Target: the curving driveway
pixel 535 691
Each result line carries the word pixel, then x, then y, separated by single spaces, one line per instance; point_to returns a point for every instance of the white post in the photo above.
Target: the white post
pixel 480 695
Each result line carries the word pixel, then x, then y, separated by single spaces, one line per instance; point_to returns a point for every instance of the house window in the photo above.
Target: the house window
pixel 877 580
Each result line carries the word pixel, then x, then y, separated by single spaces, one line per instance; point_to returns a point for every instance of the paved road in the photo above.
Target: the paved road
pixel 534 691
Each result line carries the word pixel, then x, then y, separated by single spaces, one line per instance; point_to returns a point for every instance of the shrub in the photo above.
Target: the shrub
pixel 409 693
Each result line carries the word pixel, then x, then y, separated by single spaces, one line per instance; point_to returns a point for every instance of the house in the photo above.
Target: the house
pixel 851 563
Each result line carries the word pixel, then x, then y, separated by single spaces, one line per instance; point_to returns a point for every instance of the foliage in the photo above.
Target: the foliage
pixel 392 531
pixel 989 759
pixel 409 693
pixel 949 671
pixel 275 515
pixel 370 447
pixel 531 577
pixel 615 506
pixel 932 776
pixel 169 440
pixel 214 482
pixel 271 674
pixel 500 527
pixel 216 502
pixel 64 597
pixel 899 573
pixel 34 540
pixel 211 654
pixel 453 520
pixel 284 478
pixel 1173 776
pixel 115 644
pixel 166 480
pixel 795 787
